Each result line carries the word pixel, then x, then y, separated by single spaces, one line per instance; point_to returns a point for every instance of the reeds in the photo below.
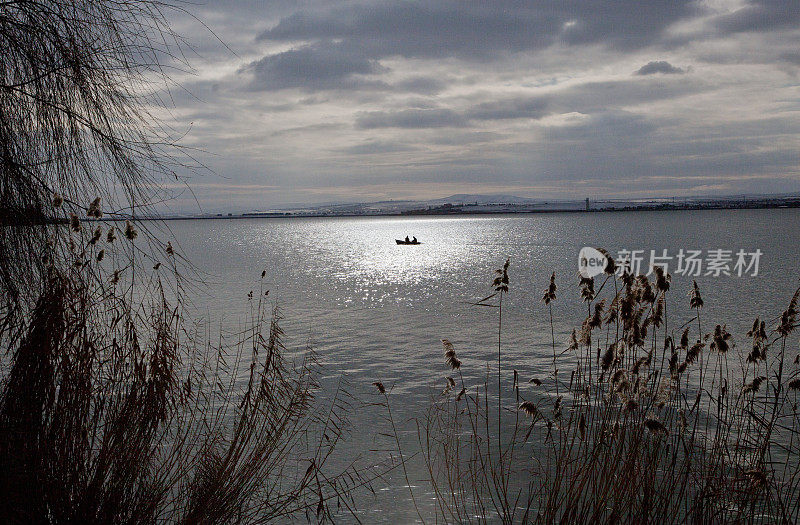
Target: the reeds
pixel 111 411
pixel 644 430
pixel 107 416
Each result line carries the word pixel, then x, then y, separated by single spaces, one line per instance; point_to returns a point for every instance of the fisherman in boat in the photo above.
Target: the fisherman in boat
pixel 414 241
pixel 407 238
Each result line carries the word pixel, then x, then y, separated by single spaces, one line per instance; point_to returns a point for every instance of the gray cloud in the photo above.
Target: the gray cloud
pixel 533 108
pixel 422 85
pixel 340 47
pixel 761 15
pixel 311 128
pixel 660 66
pixel 320 67
pixel 313 67
pixel 456 138
pixel 475 31
pixel 503 109
pixel 793 57
pixel 615 127
pixel 589 98
pixel 410 118
pixel 374 146
pixel 533 94
pixel 593 97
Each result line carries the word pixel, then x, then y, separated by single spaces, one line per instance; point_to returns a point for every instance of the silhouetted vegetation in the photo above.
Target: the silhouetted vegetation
pixel 647 421
pixel 111 411
pixel 105 419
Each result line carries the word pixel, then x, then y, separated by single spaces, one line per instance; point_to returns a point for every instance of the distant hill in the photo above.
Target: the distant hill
pixel 467 203
pixel 466 198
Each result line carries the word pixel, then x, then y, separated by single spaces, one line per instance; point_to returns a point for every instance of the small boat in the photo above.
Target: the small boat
pixel 400 241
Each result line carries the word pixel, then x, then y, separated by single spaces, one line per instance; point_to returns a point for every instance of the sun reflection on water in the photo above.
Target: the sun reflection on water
pixel 368 251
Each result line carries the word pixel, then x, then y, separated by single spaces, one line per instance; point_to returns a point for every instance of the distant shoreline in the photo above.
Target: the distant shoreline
pixel 450 210
pixel 459 212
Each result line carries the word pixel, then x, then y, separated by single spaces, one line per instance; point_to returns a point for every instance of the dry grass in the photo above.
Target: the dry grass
pixel 107 419
pixel 658 422
pixel 111 410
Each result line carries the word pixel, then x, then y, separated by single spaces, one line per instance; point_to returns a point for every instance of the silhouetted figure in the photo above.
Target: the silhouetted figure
pixel 415 240
pixel 406 238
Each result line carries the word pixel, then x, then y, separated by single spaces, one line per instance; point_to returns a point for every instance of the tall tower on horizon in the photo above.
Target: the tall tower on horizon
pixel 587 203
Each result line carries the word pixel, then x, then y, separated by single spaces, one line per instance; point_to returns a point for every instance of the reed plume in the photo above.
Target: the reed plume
pixel 450 355
pixel 695 300
pixel 550 293
pixel 529 409
pixel 94 209
pixel 656 427
pixel 636 434
pixel 130 231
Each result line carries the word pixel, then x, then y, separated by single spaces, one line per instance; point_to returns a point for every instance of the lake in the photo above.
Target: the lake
pixel 376 311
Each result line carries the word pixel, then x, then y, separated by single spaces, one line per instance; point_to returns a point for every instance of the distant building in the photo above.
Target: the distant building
pixel 587 203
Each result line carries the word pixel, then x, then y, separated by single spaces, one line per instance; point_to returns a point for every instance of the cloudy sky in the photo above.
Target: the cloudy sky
pixel 303 102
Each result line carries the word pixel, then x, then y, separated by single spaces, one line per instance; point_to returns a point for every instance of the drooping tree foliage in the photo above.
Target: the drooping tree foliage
pixel 111 410
pixel 77 91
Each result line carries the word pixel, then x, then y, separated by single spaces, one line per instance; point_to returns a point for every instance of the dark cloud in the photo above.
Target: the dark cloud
pixel 373 147
pixel 530 107
pixel 617 146
pixel 312 128
pixel 660 66
pixel 770 160
pixel 422 85
pixel 313 67
pixel 793 57
pixel 503 109
pixel 623 25
pixel 410 118
pixel 321 67
pixel 617 127
pixel 503 92
pixel 340 47
pixel 476 30
pixel 456 138
pixel 595 97
pixel 590 98
pixel 761 15
pixel 587 98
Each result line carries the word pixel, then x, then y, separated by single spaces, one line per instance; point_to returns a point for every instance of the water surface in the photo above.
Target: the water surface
pixel 374 310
